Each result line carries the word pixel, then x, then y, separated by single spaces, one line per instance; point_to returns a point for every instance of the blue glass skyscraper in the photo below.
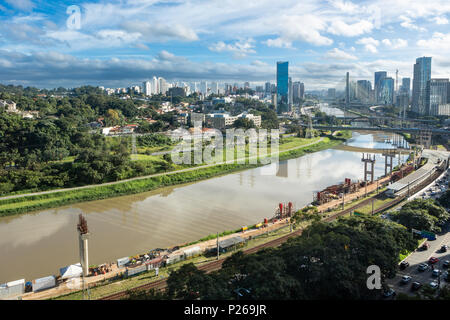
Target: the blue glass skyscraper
pixel 387 91
pixel 282 86
pixel 422 74
pixel 379 76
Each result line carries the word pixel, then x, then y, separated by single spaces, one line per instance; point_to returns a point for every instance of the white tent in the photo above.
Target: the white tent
pixel 71 271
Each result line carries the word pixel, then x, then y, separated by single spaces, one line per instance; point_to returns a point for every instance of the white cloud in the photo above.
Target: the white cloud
pixel 160 32
pixel 339 27
pixel 278 43
pixel 25 5
pixel 337 54
pixel 240 49
pixel 370 44
pixel 439 41
pixel 408 23
pixel 441 20
pixel 395 43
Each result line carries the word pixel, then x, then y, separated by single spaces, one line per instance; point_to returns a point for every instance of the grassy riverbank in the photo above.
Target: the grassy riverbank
pixel 38 202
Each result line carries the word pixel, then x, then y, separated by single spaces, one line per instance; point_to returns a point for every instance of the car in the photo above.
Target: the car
pixel 425 246
pixel 389 293
pixel 404 265
pixel 436 272
pixel 406 279
pixel 434 284
pixel 423 267
pixel 445 264
pixel 433 260
pixel 416 285
pixel 444 248
pixel 445 276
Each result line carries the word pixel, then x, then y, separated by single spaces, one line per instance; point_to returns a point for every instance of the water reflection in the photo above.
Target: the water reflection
pixel 37 244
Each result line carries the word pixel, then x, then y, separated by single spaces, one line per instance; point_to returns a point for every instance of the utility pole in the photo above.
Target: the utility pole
pixel 372 206
pixel 217 246
pixel 83 236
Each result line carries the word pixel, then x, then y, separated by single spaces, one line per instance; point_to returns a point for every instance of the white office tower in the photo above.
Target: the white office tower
pixel 204 88
pixel 155 88
pixel 194 87
pixel 162 86
pixel 147 88
pixel 215 88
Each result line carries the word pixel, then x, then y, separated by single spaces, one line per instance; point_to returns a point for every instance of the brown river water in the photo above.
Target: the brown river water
pixel 37 244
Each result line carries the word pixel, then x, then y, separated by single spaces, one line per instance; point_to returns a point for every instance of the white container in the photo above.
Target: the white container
pixel 192 252
pixel 122 261
pixel 136 270
pixel 12 289
pixel 44 283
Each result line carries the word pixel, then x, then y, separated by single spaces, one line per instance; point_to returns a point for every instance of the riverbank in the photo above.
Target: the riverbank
pixel 13 206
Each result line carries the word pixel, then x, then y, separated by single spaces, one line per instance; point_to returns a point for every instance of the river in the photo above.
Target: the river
pixel 38 244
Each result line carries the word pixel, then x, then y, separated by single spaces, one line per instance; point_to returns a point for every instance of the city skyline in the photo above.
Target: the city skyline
pixel 124 42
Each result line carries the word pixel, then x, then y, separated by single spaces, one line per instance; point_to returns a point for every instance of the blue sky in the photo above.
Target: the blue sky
pixel 123 42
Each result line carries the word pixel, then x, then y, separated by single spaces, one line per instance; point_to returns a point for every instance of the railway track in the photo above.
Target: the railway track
pixel 217 264
pixel 208 267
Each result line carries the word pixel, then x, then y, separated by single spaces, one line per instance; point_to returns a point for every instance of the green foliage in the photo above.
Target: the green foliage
pixel 328 261
pixel 422 215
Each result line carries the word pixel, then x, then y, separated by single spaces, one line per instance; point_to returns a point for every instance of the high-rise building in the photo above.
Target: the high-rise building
pixel 282 86
pixel 162 86
pixel 387 91
pixel 204 88
pixel 422 74
pixel 406 86
pixel 290 94
pixel 379 76
pixel 155 89
pixel 147 88
pixel 297 91
pixel 214 88
pixel 363 88
pixel 267 87
pixel 331 94
pixel 437 93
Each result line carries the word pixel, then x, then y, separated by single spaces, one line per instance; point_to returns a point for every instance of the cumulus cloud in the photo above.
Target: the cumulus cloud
pixel 160 32
pixel 338 54
pixel 240 49
pixel 395 43
pixel 370 44
pixel 408 23
pixel 441 20
pixel 278 43
pixel 339 27
pixel 45 68
pixel 437 41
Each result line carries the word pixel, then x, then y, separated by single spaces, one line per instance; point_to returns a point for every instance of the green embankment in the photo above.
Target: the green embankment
pixel 56 199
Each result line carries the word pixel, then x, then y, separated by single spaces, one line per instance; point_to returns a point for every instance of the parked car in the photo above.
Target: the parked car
pixel 436 272
pixel 406 279
pixel 389 293
pixel 416 285
pixel 404 265
pixel 434 284
pixel 423 267
pixel 433 260
pixel 445 264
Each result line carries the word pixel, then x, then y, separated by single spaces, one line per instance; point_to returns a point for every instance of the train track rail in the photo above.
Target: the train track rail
pixel 217 264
